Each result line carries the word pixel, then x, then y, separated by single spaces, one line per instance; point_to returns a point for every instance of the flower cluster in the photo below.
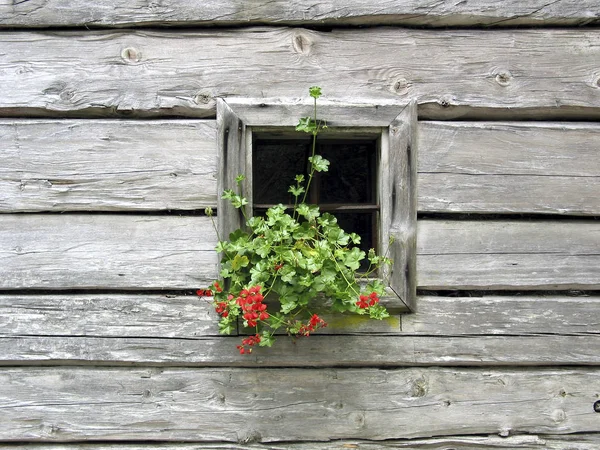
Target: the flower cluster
pixel 298 258
pixel 366 301
pixel 248 343
pixel 314 323
pixel 251 302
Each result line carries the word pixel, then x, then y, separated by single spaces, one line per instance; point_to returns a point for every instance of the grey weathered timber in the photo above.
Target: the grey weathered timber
pixel 70 165
pixel 119 13
pixel 490 167
pixel 400 200
pixel 522 442
pixel 501 254
pixel 504 315
pixel 76 251
pixel 169 316
pixel 140 315
pixel 242 405
pixel 581 441
pixel 314 351
pixel 232 158
pixel 109 315
pixel 181 73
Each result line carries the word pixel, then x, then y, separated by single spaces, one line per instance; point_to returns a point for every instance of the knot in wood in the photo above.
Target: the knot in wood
pixel 203 98
pixel 130 55
pixel 503 77
pixel 445 101
pixel 301 44
pixel 401 86
pixel 597 406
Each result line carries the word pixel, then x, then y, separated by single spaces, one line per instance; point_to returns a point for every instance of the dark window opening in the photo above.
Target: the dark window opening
pixel 348 190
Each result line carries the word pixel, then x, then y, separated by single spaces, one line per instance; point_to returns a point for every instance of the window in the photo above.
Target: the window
pixel 347 190
pixel 371 186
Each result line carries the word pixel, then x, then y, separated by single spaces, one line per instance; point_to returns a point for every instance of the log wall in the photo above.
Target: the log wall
pixel 109 157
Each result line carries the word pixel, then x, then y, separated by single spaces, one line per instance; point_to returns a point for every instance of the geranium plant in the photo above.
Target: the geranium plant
pixel 297 256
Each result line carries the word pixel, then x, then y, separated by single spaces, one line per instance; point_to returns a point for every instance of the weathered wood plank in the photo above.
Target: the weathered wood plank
pixel 524 442
pixel 38 13
pixel 398 199
pixel 107 315
pixel 315 351
pixel 73 251
pixel 140 315
pixel 500 315
pixel 189 317
pixel 509 167
pixel 70 165
pixel 162 73
pixel 75 404
pixel 508 254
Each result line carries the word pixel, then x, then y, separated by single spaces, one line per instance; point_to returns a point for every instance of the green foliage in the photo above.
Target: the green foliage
pixel 297 256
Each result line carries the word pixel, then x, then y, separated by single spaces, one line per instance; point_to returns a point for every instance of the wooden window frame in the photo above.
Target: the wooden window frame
pixel 394 124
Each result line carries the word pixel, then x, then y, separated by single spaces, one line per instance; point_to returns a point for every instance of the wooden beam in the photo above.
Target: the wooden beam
pixel 151 73
pixel 119 13
pixel 140 315
pixel 399 196
pixel 366 350
pixel 504 315
pixel 582 441
pixel 78 251
pixel 190 317
pixel 241 405
pixel 491 167
pixel 502 254
pixel 107 165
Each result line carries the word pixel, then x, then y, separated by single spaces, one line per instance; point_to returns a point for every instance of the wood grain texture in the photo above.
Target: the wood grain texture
pixel 241 405
pixel 107 165
pixel 181 73
pixel 490 167
pixel 109 315
pixel 581 441
pixel 399 203
pixel 504 315
pixel 316 351
pixel 73 251
pixel 187 317
pixel 232 155
pixel 508 254
pixel 118 13
pixel 141 315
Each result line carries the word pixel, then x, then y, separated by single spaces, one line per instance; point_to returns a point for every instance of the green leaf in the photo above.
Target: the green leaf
pixel 353 258
pixel 239 262
pixel 315 92
pixel 319 163
pixel 307 124
pixel 226 327
pixel 266 339
pixel 310 212
pixel 296 191
pixel 240 178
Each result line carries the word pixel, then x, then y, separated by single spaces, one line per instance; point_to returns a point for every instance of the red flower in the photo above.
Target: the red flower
pixel 204 293
pixel 373 299
pixel 217 286
pixel 314 322
pixel 249 342
pixel 363 302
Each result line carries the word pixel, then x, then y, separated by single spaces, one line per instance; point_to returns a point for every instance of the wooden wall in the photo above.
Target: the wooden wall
pixel 108 158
